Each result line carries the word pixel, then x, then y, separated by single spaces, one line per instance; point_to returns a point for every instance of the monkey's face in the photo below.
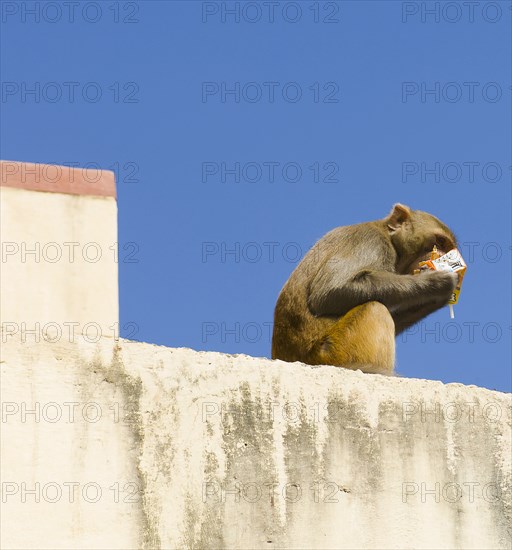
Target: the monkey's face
pixel 415 238
pixel 422 257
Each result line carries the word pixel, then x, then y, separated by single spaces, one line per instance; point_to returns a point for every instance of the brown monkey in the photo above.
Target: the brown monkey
pixel 354 291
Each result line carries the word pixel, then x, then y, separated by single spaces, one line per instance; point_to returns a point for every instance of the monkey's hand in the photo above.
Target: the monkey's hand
pixel 445 282
pixel 434 289
pixel 440 283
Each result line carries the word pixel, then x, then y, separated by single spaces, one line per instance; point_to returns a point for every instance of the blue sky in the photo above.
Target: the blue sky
pixel 240 138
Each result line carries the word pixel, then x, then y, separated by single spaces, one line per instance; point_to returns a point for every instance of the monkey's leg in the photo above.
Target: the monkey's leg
pixel 364 338
pixel 409 317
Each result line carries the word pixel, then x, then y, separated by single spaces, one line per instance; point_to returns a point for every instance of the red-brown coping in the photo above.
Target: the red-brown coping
pixel 57 179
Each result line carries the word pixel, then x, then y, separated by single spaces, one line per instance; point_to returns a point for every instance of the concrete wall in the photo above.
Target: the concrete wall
pixel 118 444
pixel 59 247
pixel 171 448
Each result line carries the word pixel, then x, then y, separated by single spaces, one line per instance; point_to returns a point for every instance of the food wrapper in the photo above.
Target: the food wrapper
pixel 451 261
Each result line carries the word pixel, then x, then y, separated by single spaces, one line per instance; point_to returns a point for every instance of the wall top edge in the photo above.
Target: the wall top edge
pixel 54 178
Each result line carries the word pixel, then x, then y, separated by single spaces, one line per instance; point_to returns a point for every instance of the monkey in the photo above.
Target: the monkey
pixel 354 291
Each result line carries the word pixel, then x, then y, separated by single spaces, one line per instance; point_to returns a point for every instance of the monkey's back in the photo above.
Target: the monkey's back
pixel 296 327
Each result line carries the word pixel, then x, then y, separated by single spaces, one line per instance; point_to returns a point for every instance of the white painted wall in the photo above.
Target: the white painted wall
pixel 239 452
pixel 108 444
pixel 59 264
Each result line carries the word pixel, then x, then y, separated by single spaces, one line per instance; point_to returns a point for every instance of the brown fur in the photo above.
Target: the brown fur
pixel 354 291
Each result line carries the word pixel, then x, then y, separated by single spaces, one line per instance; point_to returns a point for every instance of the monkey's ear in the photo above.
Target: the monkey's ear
pixel 398 216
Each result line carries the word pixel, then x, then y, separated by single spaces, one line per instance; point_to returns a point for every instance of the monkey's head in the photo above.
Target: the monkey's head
pixel 414 234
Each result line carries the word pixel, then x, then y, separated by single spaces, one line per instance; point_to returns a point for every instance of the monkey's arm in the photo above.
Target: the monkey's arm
pixel 331 296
